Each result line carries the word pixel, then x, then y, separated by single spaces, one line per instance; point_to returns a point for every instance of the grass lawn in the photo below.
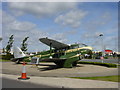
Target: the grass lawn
pixel 2 60
pixel 103 78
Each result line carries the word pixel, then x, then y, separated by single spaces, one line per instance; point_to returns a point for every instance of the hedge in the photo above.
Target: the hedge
pixel 99 63
pixel 7 57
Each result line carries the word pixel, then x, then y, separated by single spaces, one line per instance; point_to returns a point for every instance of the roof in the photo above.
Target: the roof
pixel 109 51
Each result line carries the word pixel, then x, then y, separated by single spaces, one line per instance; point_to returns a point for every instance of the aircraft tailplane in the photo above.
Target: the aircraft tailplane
pixel 18 53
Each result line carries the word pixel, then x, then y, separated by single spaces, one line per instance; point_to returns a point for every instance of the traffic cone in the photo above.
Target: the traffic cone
pixel 24 75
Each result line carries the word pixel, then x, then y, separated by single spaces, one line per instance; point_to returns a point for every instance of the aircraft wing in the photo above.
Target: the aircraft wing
pixel 55 44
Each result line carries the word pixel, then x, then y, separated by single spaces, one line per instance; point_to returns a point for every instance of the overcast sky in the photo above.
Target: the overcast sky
pixel 68 22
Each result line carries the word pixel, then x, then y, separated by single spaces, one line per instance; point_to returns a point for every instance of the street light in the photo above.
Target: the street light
pixel 50 49
pixel 101 35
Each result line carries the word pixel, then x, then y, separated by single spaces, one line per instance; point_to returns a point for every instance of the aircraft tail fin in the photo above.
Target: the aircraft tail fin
pixel 18 53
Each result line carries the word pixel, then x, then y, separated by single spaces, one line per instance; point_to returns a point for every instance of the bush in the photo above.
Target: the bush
pixel 105 57
pixel 27 60
pixel 7 57
pixel 99 63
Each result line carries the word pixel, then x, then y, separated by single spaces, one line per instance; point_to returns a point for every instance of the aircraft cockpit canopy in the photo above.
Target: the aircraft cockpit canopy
pixel 74 46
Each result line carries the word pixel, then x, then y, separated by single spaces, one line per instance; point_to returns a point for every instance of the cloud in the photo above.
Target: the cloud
pixel 0 14
pixel 94 23
pixel 61 37
pixel 0 23
pixel 111 42
pixel 71 32
pixel 72 18
pixel 94 40
pixel 18 26
pixel 10 23
pixel 20 30
pixel 91 35
pixel 39 9
pixel 94 26
pixel 67 14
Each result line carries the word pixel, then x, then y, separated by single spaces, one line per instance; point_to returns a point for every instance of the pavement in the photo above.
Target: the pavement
pixel 62 82
pixel 48 75
pixel 50 70
pixel 10 83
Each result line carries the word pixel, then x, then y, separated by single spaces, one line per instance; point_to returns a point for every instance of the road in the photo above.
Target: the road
pixel 104 60
pixel 9 83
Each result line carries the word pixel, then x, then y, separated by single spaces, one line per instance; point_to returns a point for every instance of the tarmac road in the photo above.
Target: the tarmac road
pixel 50 70
pixel 9 83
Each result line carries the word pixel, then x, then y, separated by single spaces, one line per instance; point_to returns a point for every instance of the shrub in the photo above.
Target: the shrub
pixel 99 63
pixel 27 60
pixel 105 57
pixel 7 57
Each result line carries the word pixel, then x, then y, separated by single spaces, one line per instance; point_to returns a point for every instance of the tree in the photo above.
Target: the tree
pixel 0 38
pixel 3 50
pixel 24 45
pixel 9 45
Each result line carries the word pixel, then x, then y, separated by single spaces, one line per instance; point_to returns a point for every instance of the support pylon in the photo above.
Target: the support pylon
pixel 24 75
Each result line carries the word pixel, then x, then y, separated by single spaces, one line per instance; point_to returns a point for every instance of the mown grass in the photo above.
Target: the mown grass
pixel 3 60
pixel 114 78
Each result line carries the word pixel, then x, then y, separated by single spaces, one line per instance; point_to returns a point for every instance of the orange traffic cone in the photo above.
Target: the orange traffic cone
pixel 23 75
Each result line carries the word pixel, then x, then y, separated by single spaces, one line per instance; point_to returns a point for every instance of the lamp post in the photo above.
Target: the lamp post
pixel 102 46
pixel 50 49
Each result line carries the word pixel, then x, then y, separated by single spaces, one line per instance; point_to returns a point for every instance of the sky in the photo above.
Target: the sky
pixel 67 22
